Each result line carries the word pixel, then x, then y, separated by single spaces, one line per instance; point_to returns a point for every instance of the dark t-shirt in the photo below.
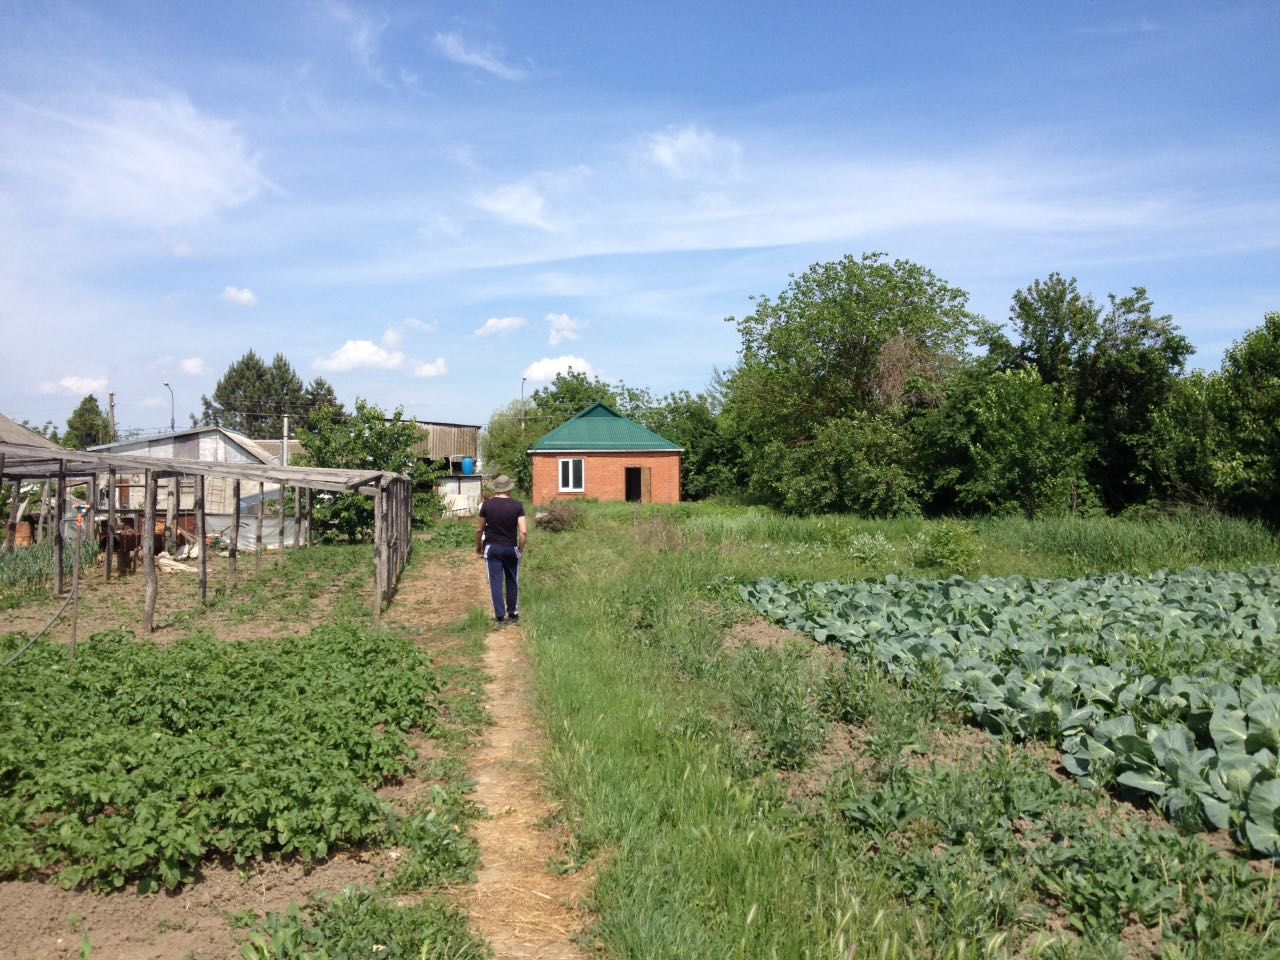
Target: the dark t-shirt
pixel 501 516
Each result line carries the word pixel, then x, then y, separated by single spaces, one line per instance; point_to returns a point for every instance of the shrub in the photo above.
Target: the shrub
pixel 558 517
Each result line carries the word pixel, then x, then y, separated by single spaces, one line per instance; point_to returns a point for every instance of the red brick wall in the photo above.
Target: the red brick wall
pixel 605 477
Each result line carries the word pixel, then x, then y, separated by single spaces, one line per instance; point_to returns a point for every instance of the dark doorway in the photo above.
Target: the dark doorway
pixel 634 494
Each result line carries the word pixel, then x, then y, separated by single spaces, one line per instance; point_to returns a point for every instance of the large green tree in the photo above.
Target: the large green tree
pixel 367 440
pixel 1127 377
pixel 1248 469
pixel 844 343
pixel 87 426
pixel 253 397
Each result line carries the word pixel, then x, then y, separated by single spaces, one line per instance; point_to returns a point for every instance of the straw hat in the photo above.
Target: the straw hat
pixel 502 483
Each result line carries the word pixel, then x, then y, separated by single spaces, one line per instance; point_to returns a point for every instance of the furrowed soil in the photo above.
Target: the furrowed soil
pixel 517 904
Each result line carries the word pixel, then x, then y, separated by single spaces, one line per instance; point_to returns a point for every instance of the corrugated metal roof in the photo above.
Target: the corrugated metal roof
pixel 599 428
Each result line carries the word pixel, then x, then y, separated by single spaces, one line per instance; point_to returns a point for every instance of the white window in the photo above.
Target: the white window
pixel 571 476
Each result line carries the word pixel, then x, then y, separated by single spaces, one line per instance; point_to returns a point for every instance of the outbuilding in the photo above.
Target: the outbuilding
pixel 601 455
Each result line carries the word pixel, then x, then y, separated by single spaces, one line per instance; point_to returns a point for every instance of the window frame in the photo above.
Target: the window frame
pixel 582 474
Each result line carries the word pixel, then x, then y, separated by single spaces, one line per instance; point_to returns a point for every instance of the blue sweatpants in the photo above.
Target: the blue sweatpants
pixel 504 568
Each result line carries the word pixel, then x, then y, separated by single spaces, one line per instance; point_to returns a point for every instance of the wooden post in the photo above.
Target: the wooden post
pixel 111 520
pixel 173 495
pixel 59 513
pixel 149 550
pixel 75 584
pixel 297 517
pixel 235 538
pixel 280 542
pixel 42 526
pixel 200 540
pixel 378 534
pixel 257 545
pixel 11 531
pixel 91 518
pixel 310 504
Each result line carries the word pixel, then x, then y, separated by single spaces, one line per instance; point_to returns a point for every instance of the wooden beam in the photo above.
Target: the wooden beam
pixel 11 530
pixel 257 543
pixel 297 517
pixel 234 552
pixel 310 508
pixel 59 513
pixel 280 539
pixel 201 537
pixel 378 569
pixel 149 550
pixel 111 522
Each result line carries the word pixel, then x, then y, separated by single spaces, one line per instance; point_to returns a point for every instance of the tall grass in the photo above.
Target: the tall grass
pixel 666 745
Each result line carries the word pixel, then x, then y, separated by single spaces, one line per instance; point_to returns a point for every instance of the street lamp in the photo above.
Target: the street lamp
pixel 170 389
pixel 522 380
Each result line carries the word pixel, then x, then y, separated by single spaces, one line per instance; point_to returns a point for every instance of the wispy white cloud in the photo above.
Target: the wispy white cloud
pixel 359 355
pixel 393 337
pixel 500 325
pixel 364 36
pixel 436 368
pixel 155 403
pixel 193 366
pixel 453 47
pixel 563 327
pixel 693 153
pixel 548 367
pixel 1122 28
pixel 75 385
pixel 182 250
pixel 240 296
pixel 155 162
pixel 520 203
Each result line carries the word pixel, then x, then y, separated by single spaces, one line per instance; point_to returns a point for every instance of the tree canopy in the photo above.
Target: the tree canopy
pixel 87 426
pixel 253 397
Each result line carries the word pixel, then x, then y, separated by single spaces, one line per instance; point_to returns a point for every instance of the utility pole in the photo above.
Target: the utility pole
pixel 284 442
pixel 111 406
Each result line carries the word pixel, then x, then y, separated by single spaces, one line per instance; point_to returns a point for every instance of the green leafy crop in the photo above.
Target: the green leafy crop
pixel 135 761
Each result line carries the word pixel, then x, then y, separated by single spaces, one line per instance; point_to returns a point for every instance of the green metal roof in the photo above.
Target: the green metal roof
pixel 600 428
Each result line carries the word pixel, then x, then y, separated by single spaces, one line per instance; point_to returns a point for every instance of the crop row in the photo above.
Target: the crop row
pixel 1167 686
pixel 134 762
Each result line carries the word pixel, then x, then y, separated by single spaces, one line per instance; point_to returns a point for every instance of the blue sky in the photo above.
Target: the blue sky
pixel 426 202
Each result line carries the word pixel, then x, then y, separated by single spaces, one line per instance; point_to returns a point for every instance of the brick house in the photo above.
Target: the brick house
pixel 601 455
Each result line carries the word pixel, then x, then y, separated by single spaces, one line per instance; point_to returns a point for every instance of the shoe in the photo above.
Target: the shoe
pixel 499 624
pixel 514 618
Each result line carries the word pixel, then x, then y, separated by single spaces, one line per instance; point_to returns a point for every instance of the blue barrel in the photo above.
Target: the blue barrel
pixel 468 466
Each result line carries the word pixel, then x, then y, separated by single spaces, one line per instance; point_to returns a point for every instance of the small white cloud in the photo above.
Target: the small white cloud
pixel 453 48
pixel 693 153
pixel 548 367
pixel 240 297
pixel 364 37
pixel 393 337
pixel 193 366
pixel 359 355
pixel 563 327
pixel 438 368
pixel 182 249
pixel 76 385
pixel 520 203
pixel 500 325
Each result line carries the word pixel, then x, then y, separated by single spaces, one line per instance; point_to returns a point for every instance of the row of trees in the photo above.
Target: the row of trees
pixel 868 386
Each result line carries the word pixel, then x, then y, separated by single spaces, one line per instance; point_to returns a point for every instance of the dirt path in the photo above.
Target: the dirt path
pixel 518 904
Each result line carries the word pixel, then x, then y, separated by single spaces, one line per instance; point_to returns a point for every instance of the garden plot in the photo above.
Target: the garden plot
pixel 1165 686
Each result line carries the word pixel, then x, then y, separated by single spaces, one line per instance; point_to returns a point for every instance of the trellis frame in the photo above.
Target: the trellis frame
pixel 392 496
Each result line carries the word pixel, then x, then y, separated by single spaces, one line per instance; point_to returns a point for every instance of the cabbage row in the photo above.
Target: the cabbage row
pixel 1167 686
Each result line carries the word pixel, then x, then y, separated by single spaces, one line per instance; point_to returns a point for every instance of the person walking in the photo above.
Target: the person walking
pixel 501 532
